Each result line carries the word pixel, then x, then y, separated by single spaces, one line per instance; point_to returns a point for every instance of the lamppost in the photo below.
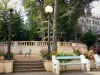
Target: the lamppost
pixel 48 10
pixel 10 7
pixel 41 3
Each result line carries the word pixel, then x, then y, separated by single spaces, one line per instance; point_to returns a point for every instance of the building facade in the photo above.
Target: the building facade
pixel 89 23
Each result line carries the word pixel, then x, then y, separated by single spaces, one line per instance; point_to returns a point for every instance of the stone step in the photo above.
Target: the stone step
pixel 28 64
pixel 28 61
pixel 26 67
pixel 29 70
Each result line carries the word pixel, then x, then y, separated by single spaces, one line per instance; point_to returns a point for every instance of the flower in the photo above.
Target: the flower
pixel 90 55
pixel 46 55
pixel 8 56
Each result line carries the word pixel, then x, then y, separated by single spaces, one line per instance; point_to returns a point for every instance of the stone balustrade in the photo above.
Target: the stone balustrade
pixel 36 46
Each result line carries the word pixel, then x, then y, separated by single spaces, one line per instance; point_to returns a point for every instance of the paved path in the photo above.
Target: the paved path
pixel 31 58
pixel 38 57
pixel 63 73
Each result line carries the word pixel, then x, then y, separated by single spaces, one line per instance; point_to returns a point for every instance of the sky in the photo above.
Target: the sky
pixel 95 10
pixel 19 7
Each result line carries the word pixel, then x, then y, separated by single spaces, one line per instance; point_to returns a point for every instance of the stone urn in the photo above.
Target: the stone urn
pixel 1 57
pixel 48 65
pixel 8 66
pixel 1 66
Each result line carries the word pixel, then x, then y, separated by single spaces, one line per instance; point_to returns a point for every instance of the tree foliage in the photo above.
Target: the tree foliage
pixel 17 29
pixel 66 30
pixel 89 38
pixel 68 14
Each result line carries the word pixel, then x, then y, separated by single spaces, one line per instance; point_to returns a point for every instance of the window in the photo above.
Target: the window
pixel 89 21
pixel 98 22
pixel 90 27
pixel 93 21
pixel 99 28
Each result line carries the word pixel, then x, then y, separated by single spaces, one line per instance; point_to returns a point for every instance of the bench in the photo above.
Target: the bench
pixel 97 60
pixel 56 62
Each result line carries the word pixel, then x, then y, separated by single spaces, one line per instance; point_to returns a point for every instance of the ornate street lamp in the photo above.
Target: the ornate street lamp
pixel 40 1
pixel 41 4
pixel 48 10
pixel 10 7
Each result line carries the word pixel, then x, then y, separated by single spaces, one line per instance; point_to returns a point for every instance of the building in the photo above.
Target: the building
pixel 89 23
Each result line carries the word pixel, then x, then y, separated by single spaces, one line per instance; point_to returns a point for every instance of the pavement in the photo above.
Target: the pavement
pixel 37 58
pixel 62 73
pixel 27 58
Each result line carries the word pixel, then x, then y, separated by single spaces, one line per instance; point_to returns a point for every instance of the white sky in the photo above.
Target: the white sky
pixel 20 7
pixel 95 10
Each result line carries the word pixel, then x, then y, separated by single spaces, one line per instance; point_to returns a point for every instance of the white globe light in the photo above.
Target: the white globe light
pixel 11 5
pixel 48 9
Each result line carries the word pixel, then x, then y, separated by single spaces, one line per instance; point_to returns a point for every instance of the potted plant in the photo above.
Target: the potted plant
pixel 47 59
pixel 1 55
pixel 8 62
pixel 1 61
pixel 90 55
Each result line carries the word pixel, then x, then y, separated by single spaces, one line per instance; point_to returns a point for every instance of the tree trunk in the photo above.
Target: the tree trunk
pixel 54 47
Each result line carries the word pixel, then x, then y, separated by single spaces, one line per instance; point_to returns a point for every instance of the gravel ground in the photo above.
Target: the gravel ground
pixel 62 73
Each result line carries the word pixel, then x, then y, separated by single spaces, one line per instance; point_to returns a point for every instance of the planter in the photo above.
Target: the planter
pixel 8 66
pixel 92 64
pixel 48 65
pixel 1 57
pixel 1 66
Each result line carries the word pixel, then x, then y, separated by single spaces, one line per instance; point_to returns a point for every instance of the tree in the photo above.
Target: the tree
pixel 89 38
pixel 17 28
pixel 3 20
pixel 68 11
pixel 34 19
pixel 66 30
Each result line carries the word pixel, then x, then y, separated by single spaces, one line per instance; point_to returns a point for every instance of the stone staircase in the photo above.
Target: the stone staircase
pixel 28 66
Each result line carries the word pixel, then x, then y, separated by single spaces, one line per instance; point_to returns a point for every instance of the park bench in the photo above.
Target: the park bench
pixel 56 62
pixel 97 60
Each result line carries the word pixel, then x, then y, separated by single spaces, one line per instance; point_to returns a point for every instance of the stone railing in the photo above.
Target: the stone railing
pixel 36 46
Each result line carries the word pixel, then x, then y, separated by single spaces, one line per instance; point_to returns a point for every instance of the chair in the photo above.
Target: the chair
pixel 28 53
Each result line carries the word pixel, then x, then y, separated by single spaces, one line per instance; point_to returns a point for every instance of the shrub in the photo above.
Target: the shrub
pixel 46 55
pixel 96 49
pixel 64 54
pixel 77 52
pixel 8 56
pixel 1 53
pixel 90 55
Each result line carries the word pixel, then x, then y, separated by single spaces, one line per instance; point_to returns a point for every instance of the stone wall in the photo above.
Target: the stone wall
pixel 36 46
